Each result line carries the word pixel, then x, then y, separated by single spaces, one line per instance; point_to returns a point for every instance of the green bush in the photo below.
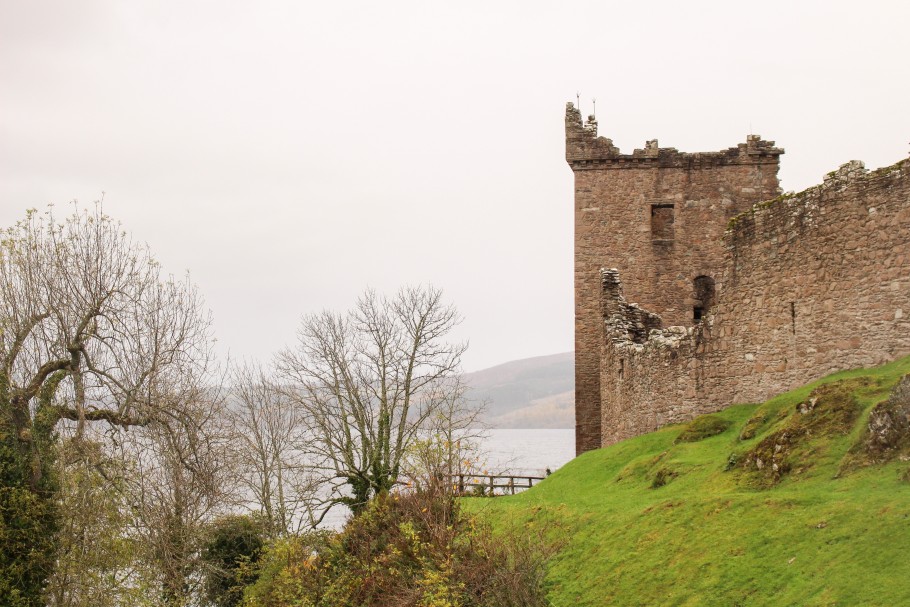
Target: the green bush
pixel 233 548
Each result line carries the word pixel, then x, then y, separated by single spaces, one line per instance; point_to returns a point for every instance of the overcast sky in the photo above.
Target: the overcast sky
pixel 289 153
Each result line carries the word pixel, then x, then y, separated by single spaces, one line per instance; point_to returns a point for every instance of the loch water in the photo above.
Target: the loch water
pixel 528 451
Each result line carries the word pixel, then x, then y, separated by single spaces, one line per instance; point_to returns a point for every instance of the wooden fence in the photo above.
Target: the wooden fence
pixel 488 484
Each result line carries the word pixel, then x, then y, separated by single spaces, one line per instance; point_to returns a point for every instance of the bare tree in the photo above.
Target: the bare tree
pixel 368 382
pixel 180 478
pixel 91 333
pixel 84 305
pixel 267 438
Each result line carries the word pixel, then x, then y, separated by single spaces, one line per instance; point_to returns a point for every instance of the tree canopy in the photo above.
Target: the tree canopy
pixel 91 332
pixel 369 381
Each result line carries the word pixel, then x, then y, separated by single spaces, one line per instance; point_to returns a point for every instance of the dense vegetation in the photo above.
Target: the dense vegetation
pixel 414 549
pixel 802 500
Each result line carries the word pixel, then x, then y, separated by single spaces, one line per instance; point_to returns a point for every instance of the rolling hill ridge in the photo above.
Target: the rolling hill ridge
pixel 536 392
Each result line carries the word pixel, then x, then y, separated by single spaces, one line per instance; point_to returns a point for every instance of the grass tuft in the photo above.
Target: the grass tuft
pixel 703 427
pixel 755 423
pixel 662 477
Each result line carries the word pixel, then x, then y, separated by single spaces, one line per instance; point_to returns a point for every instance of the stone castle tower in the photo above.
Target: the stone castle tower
pixel 658 216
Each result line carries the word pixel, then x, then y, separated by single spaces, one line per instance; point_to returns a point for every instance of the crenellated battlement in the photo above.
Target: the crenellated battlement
pixel 582 141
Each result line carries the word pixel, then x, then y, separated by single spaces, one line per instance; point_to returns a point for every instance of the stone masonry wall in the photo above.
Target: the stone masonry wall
pixel 811 283
pixel 658 216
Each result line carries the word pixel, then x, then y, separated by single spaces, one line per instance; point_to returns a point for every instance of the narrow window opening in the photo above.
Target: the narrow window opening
pixel 622 367
pixel 702 296
pixel 662 219
pixel 793 316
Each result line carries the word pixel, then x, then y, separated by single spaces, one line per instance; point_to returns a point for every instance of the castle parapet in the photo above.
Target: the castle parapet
pixel 586 150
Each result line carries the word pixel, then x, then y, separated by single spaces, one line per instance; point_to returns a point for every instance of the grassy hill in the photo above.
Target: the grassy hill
pixel 789 502
pixel 536 392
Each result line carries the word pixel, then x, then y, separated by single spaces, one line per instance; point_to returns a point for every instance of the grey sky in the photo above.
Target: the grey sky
pixel 290 154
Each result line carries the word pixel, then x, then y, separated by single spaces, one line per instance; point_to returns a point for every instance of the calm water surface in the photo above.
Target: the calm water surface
pixel 528 451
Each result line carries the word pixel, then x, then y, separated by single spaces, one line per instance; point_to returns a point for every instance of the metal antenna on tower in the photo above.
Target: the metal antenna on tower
pixel 578 100
pixel 593 106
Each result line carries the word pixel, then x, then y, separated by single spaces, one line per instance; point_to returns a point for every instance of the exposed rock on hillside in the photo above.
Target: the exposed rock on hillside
pixel 889 425
pixel 830 410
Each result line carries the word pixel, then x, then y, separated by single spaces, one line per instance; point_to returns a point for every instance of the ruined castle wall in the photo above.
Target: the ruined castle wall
pixel 819 282
pixel 811 284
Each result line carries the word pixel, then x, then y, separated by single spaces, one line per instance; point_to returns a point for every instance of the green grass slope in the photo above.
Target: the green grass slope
pixel 770 504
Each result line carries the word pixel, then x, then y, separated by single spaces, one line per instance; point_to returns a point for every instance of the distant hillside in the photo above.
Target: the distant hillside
pixel 802 500
pixel 534 392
